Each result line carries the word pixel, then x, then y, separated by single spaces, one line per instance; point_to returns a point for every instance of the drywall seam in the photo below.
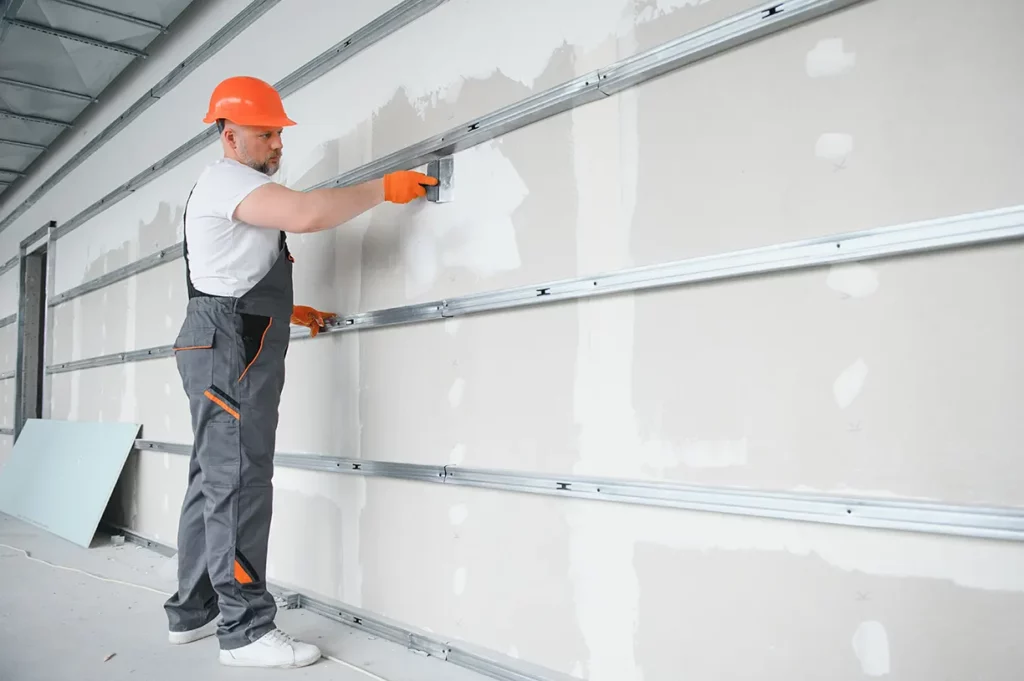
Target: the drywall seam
pixel 218 40
pixel 986 227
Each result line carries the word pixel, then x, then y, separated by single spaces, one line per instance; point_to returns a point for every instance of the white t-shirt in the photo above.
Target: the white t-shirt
pixel 227 257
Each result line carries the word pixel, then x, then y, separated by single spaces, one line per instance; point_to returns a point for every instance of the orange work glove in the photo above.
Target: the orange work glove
pixel 403 186
pixel 303 315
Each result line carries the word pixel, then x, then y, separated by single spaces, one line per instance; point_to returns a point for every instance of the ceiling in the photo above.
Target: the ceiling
pixel 56 58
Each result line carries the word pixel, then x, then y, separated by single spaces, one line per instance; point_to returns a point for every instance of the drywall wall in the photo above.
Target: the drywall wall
pixel 898 378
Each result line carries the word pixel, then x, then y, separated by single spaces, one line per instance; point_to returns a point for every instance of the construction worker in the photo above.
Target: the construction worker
pixel 230 354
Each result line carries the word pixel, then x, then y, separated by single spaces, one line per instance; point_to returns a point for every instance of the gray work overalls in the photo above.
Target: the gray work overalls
pixel 230 354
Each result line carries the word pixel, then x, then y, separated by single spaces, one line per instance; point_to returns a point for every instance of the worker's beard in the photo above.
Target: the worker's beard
pixel 267 167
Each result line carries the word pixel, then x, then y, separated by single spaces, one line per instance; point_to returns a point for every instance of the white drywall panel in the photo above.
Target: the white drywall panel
pixel 149 393
pixel 147 221
pixel 9 284
pixel 141 312
pixel 597 590
pixel 192 29
pixel 8 347
pixel 6 445
pixel 7 390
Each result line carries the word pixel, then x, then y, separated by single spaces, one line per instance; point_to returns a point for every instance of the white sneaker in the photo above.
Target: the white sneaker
pixel 179 637
pixel 273 649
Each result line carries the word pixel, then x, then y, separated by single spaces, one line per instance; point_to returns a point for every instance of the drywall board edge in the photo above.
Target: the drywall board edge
pixel 971 229
pixel 469 657
pixel 378 29
pixel 225 35
pixel 60 474
pixel 865 512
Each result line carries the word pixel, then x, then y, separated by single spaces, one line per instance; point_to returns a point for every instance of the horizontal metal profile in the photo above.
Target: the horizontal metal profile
pixel 36 235
pixel 739 29
pixel 8 320
pixel 238 23
pixel 398 16
pixel 301 76
pixel 864 512
pixel 6 431
pixel 161 257
pixel 7 375
pixel 114 14
pixel 369 622
pixel 24 145
pixel 76 37
pixel 733 32
pixel 111 359
pixel 986 227
pixel 34 119
pixel 9 265
pixel 46 89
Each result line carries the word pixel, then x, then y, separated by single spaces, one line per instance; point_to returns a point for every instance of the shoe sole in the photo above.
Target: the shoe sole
pixel 177 638
pixel 229 661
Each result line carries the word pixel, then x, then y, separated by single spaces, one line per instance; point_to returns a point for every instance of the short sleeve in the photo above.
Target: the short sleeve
pixel 230 183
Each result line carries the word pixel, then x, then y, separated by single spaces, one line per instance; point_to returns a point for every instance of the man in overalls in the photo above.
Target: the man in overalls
pixel 230 354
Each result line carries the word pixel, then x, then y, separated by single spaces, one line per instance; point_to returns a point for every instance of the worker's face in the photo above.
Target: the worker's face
pixel 258 148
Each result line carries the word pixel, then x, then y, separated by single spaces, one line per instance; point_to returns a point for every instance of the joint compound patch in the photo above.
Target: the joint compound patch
pixel 849 384
pixel 828 58
pixel 456 391
pixel 853 281
pixel 834 146
pixel 458 455
pixel 871 645
pixel 459 581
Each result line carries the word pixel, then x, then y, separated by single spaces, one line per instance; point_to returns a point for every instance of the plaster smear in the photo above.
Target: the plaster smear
pixel 853 280
pixel 871 645
pixel 834 146
pixel 457 514
pixel 456 391
pixel 828 58
pixel 849 384
pixel 475 231
pixel 459 581
pixel 458 455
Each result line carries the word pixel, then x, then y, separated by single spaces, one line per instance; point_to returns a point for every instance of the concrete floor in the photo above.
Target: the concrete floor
pixel 58 623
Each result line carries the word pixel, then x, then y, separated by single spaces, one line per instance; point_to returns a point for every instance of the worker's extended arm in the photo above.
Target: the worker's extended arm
pixel 277 207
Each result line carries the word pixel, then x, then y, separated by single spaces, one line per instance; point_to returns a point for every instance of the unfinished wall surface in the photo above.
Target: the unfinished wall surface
pixel 896 378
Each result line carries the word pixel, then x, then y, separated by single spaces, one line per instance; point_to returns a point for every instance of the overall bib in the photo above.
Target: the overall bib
pixel 230 354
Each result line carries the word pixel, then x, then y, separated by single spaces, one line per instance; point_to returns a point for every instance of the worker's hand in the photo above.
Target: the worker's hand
pixel 303 315
pixel 403 186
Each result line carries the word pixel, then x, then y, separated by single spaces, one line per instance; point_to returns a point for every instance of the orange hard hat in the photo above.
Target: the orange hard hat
pixel 247 101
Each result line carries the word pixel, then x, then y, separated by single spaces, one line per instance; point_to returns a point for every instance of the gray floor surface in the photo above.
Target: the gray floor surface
pixel 57 623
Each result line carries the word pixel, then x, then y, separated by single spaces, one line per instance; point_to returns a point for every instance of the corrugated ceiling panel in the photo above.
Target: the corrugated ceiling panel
pixel 57 62
pixel 32 102
pixel 160 11
pixel 25 131
pixel 83 22
pixel 16 157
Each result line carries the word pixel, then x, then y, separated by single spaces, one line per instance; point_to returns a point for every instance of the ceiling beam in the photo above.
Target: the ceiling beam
pixel 113 14
pixel 45 88
pixel 77 37
pixel 12 171
pixel 26 145
pixel 34 119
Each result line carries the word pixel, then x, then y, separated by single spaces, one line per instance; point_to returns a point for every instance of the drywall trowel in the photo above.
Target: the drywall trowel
pixel 444 170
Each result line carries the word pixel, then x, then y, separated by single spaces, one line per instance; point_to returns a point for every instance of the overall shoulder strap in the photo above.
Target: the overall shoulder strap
pixel 192 292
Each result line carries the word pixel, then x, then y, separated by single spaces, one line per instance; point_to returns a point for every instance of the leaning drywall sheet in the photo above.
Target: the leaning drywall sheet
pixel 61 473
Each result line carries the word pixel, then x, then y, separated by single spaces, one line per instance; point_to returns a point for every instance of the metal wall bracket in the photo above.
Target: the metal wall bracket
pixel 444 170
